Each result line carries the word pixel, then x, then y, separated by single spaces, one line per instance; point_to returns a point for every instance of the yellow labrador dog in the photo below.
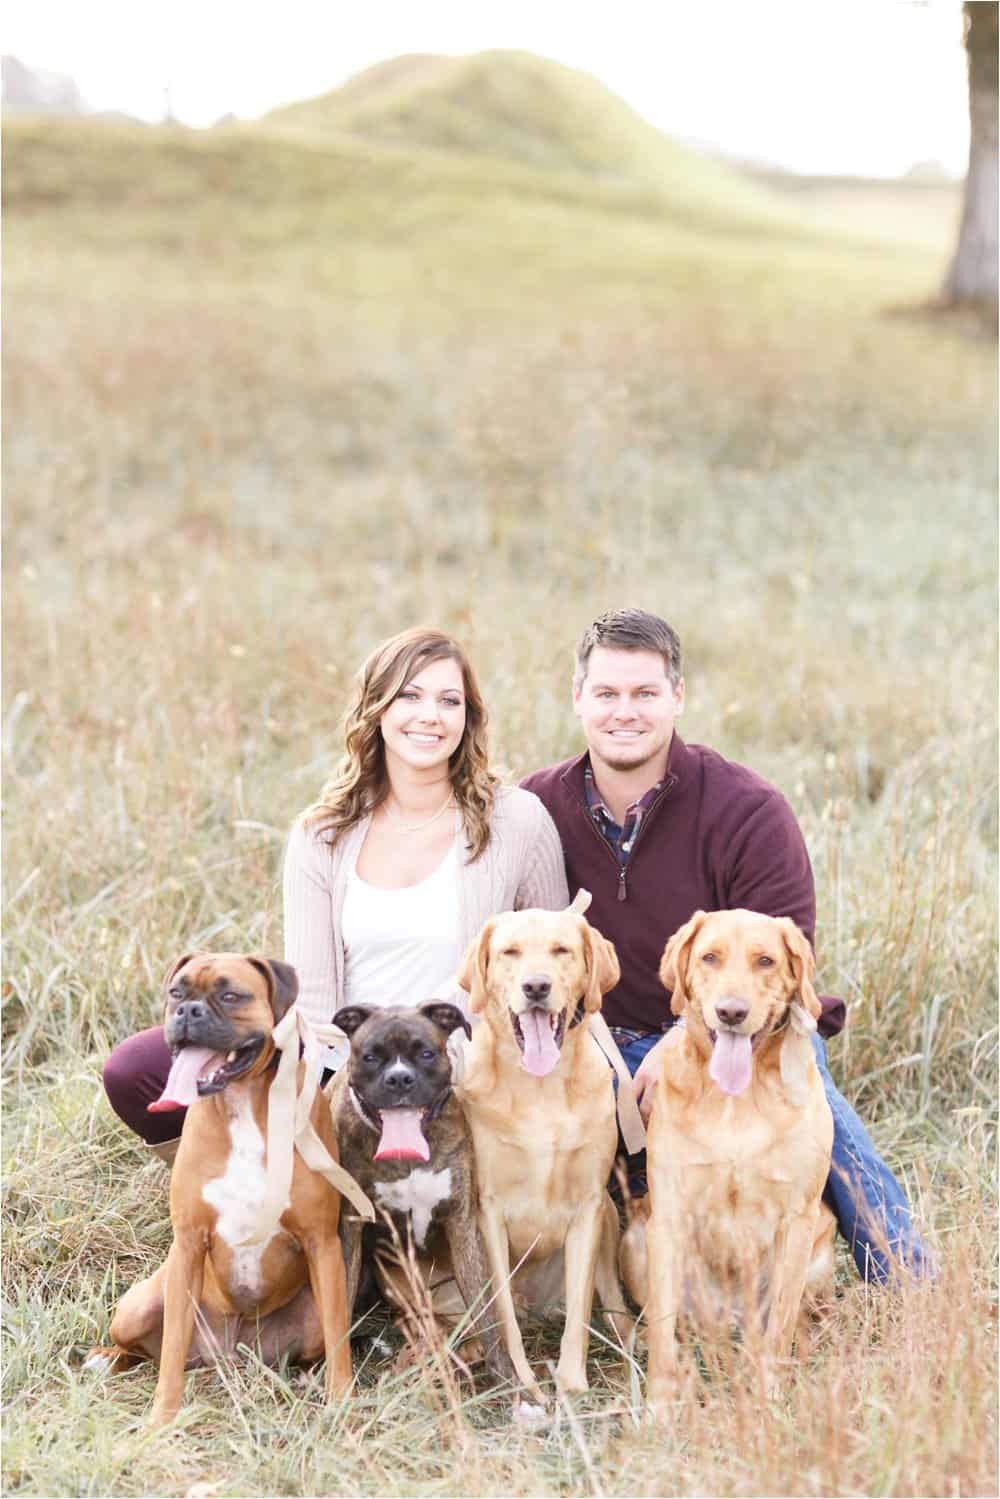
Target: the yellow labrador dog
pixel 538 1096
pixel 739 1143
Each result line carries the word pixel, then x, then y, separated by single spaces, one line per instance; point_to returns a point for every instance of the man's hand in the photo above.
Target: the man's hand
pixel 648 1076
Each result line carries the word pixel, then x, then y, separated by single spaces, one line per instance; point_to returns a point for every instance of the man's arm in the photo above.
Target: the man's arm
pixel 769 871
pixel 767 866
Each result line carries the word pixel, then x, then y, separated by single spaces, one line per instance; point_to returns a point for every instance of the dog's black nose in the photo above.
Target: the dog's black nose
pixel 536 987
pixel 732 1011
pixel 398 1079
pixel 188 1010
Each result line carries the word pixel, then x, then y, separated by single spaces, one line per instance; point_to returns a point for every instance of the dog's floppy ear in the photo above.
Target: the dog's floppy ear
pixel 175 968
pixel 603 971
pixel 282 983
pixel 446 1017
pixel 472 974
pixel 674 963
pixel 352 1017
pixel 800 955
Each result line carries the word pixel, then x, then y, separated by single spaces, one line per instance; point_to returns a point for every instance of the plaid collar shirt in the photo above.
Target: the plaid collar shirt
pixel 621 838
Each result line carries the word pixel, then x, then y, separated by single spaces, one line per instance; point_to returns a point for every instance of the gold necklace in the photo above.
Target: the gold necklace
pixel 415 827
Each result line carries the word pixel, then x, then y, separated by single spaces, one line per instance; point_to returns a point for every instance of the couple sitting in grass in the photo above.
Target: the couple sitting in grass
pixel 414 844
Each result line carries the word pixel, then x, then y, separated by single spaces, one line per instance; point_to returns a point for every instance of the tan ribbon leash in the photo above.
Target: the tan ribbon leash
pixel 290 1127
pixel 629 1119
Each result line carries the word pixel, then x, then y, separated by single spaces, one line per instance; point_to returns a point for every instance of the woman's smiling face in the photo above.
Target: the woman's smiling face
pixel 423 726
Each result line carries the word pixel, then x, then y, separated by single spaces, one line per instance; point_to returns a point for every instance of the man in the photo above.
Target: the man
pixel 656 829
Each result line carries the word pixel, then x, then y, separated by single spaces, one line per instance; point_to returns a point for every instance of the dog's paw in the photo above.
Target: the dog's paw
pixel 472 1351
pixel 406 1359
pixel 572 1381
pixel 100 1362
pixel 529 1415
pixel 660 1401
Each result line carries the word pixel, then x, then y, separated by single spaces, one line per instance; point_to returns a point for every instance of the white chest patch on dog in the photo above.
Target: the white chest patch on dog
pixel 417 1194
pixel 238 1194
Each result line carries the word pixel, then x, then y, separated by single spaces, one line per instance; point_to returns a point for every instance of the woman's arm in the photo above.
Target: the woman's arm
pixel 307 884
pixel 542 877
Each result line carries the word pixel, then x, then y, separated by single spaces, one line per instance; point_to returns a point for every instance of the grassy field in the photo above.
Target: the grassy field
pixel 272 393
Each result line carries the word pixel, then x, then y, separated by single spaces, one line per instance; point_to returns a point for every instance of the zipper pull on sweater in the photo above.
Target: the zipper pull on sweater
pixel 622 891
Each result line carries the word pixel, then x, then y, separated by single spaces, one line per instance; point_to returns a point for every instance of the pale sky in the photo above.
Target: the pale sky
pixel 845 86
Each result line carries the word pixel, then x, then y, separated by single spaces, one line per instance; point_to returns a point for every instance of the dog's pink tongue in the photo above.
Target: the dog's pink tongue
pixel 182 1084
pixel 540 1053
pixel 731 1062
pixel 402 1136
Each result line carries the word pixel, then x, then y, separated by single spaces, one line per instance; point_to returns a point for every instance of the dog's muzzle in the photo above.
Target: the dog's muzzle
pixel 539 1035
pixel 198 1071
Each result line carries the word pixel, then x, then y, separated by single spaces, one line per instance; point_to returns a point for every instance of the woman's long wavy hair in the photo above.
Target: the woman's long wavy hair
pixel 360 782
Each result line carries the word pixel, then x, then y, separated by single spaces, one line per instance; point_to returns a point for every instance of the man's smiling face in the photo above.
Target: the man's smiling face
pixel 627 705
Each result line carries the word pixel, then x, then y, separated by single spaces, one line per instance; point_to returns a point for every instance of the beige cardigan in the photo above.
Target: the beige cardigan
pixel 522 866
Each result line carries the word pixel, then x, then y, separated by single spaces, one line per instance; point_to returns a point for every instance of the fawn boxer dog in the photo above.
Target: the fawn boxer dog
pixel 404 1139
pixel 228 1279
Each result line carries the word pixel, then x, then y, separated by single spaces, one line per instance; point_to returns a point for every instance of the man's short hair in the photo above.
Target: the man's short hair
pixel 630 630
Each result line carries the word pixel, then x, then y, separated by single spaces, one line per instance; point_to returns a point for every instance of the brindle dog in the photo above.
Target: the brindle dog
pixel 404 1139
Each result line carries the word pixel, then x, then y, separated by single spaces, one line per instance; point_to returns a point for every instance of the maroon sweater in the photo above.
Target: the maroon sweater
pixel 717 837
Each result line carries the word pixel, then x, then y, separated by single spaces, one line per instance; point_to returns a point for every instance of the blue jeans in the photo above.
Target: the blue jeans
pixel 864 1196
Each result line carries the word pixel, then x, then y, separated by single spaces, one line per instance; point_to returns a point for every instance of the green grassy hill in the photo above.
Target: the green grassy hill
pixel 491 157
pixel 517 108
pixel 493 181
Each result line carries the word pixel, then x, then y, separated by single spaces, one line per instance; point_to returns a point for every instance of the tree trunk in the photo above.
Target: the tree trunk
pixel 973 273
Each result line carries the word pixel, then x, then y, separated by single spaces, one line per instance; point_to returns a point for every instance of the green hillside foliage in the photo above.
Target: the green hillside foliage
pixel 515 107
pixel 455 180
pixel 424 144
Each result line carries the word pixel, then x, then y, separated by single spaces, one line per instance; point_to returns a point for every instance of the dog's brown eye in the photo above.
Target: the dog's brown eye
pixel 560 952
pixel 710 958
pixel 764 961
pixel 511 952
pixel 369 1058
pixel 176 993
pixel 230 999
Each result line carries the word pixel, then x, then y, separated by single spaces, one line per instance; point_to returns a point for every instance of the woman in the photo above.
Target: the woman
pixel 412 846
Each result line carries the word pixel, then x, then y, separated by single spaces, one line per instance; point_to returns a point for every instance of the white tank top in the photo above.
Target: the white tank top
pixel 401 946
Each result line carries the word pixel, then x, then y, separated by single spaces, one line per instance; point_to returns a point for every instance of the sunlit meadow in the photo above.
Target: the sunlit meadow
pixel 271 396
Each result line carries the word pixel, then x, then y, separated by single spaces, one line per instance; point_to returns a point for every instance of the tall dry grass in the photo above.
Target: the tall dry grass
pixel 226 477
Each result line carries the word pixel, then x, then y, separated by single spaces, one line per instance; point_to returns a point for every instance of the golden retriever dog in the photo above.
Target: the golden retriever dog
pixel 538 1096
pixel 739 1144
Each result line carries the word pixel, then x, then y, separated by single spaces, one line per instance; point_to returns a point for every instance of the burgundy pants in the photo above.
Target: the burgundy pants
pixel 135 1075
